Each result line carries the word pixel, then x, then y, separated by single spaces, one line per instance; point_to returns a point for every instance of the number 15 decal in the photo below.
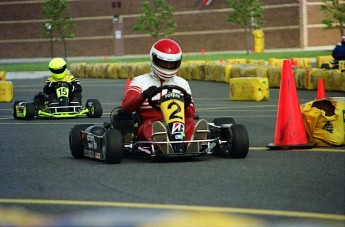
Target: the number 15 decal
pixel 62 91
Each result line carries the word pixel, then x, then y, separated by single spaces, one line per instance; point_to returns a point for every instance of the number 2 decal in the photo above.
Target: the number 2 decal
pixel 175 112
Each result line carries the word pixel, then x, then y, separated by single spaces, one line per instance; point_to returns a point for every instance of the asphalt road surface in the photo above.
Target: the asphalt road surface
pixel 41 182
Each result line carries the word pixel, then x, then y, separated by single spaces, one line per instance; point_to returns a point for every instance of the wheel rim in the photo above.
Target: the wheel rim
pixel 92 110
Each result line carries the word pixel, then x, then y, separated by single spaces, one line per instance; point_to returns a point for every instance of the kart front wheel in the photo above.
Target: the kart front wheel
pixel 15 104
pixel 76 141
pixel 113 146
pixel 94 107
pixel 28 111
pixel 237 142
pixel 219 122
pixel 240 141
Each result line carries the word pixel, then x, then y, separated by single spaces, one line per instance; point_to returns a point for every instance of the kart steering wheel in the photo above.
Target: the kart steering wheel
pixel 62 84
pixel 169 88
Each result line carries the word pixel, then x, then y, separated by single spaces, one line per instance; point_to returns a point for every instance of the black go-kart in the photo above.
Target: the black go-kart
pixel 64 108
pixel 117 138
pixel 335 64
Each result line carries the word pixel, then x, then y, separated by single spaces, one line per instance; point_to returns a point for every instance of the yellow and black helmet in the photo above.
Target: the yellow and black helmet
pixel 58 67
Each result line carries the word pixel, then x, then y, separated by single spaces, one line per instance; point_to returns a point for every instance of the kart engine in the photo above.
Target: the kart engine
pixel 122 120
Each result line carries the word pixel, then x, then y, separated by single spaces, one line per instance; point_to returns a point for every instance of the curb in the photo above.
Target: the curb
pixel 27 75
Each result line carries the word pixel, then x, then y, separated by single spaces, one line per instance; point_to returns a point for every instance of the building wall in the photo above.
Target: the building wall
pixel 286 25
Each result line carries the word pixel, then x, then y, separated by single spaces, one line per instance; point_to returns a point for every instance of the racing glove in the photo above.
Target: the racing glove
pixel 72 88
pixel 150 92
pixel 187 100
pixel 52 84
pixel 75 87
pixel 49 87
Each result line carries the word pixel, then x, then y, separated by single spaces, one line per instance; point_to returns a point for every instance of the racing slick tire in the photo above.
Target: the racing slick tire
pixel 113 146
pixel 30 111
pixel 94 107
pixel 239 141
pixel 76 141
pixel 236 135
pixel 218 122
pixel 15 104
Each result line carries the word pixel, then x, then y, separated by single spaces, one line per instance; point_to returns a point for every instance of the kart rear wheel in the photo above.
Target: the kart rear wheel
pixel 94 107
pixel 240 141
pixel 76 141
pixel 113 146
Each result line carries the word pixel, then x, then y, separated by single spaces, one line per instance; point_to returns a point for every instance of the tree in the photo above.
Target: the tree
pixel 247 14
pixel 57 23
pixel 157 18
pixel 335 15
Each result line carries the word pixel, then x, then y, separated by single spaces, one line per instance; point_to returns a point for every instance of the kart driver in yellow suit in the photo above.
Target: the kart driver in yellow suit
pixel 58 68
pixel 165 59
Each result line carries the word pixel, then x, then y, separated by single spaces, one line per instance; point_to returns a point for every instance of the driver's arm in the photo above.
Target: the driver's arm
pixel 75 85
pixel 49 86
pixel 132 100
pixel 190 110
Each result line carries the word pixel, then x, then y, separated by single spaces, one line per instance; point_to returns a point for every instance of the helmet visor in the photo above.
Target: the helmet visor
pixel 170 65
pixel 59 70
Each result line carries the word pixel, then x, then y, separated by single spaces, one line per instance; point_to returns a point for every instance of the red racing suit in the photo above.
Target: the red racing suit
pixel 133 101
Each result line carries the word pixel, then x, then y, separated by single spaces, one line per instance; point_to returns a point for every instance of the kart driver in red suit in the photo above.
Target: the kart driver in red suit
pixel 165 58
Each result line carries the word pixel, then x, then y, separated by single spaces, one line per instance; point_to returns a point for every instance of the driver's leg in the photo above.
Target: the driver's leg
pixel 190 125
pixel 145 131
pixel 75 97
pixel 155 131
pixel 199 133
pixel 160 134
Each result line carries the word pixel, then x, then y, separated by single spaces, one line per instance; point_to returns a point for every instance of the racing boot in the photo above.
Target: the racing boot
pixel 160 134
pixel 200 133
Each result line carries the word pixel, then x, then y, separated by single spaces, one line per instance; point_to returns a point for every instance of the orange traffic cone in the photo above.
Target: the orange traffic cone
pixel 289 132
pixel 294 63
pixel 320 89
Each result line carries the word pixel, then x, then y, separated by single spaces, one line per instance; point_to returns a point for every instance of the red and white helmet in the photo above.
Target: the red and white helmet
pixel 165 57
